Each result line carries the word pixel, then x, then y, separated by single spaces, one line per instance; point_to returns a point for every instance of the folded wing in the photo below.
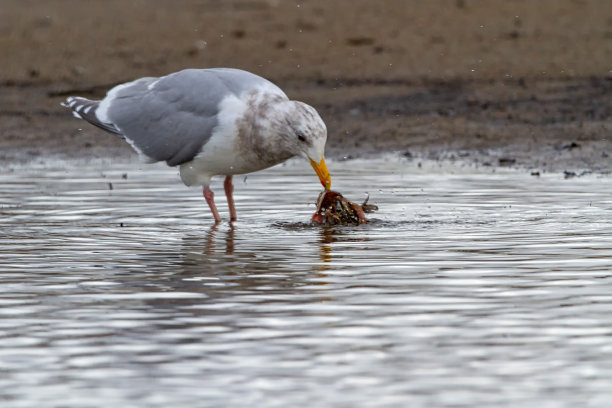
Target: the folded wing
pixel 168 118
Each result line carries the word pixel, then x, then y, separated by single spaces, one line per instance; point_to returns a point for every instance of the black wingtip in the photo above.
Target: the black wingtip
pixel 84 108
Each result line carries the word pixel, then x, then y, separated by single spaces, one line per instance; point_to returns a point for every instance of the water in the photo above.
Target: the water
pixel 468 288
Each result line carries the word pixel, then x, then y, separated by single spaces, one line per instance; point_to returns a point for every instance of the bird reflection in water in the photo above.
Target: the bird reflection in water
pixel 232 248
pixel 211 238
pixel 327 236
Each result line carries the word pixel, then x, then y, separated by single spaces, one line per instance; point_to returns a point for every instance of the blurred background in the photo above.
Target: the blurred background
pixel 432 75
pixel 112 40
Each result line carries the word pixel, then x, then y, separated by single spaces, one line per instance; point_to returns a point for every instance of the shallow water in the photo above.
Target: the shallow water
pixel 468 288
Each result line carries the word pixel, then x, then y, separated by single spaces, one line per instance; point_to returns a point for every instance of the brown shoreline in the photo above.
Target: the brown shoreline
pixel 540 97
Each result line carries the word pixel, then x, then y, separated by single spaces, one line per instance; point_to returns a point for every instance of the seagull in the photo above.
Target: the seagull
pixel 209 122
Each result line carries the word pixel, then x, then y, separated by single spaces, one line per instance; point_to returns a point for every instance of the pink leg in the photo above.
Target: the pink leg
pixel 229 191
pixel 209 196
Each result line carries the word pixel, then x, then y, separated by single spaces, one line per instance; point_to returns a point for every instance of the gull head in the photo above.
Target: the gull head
pixel 304 134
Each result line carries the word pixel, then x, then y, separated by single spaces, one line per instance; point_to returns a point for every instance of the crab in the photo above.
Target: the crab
pixel 334 209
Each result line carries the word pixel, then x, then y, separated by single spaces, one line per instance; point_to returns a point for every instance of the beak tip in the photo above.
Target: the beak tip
pixel 321 170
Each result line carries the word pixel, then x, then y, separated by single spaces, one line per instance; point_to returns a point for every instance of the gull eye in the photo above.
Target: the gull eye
pixel 301 137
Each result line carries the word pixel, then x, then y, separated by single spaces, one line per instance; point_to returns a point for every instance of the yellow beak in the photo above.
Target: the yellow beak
pixel 322 172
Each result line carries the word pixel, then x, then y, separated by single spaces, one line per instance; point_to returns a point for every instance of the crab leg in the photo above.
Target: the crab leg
pixel 360 213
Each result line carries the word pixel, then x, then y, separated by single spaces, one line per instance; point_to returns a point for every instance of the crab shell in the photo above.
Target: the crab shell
pixel 333 208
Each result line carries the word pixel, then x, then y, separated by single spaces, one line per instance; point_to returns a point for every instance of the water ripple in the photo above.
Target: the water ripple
pixel 468 288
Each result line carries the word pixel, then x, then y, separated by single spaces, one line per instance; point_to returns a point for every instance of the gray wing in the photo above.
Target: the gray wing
pixel 172 117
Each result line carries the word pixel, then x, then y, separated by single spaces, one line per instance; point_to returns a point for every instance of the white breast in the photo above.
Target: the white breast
pixel 224 153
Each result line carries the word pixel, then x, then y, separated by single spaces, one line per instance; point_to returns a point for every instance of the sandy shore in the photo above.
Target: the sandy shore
pixel 499 83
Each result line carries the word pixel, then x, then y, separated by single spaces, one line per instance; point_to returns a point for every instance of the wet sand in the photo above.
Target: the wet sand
pixel 497 83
